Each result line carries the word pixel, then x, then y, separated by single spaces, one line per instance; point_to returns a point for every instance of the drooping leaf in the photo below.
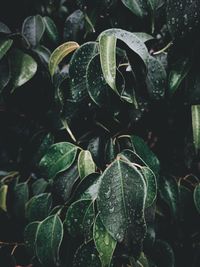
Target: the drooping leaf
pixel 5 45
pixel 51 29
pixel 38 207
pixel 58 158
pixel 59 54
pixel 156 79
pixel 104 242
pixel 48 240
pixel 138 7
pixel 30 234
pixel 86 164
pixel 33 29
pixel 178 72
pixel 3 197
pixel 23 68
pixel 77 69
pixel 121 201
pixel 197 198
pixel 107 45
pixel 80 218
pixel 5 73
pixel 87 255
pixel 196 126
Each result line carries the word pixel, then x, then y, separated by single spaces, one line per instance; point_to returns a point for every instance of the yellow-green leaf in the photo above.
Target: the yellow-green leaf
pixel 3 196
pixel 196 126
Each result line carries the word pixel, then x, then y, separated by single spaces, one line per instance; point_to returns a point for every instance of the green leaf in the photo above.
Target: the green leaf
pixel 142 149
pixel 51 29
pixel 156 79
pixel 86 164
pixel 23 68
pixel 48 240
pixel 80 218
pixel 4 29
pixel 197 198
pixel 104 242
pixel 39 186
pixel 38 207
pixel 30 234
pixel 59 54
pixel 138 7
pixel 58 158
pixel 33 29
pixel 86 255
pixel 164 254
pixel 20 197
pixel 107 45
pixel 5 73
pixel 5 45
pixel 196 126
pixel 3 197
pixel 121 201
pixel 77 70
pixel 178 72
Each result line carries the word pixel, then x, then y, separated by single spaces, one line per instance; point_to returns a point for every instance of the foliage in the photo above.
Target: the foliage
pixel 100 136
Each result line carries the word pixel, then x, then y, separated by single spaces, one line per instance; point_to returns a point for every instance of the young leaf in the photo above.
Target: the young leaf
pixel 121 201
pixel 38 207
pixel 33 29
pixel 86 164
pixel 48 240
pixel 5 45
pixel 23 68
pixel 59 54
pixel 58 158
pixel 51 29
pixel 107 45
pixel 196 126
pixel 104 242
pixel 3 197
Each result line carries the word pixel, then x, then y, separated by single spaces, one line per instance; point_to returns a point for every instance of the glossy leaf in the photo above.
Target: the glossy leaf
pixel 197 198
pixel 5 45
pixel 87 255
pixel 58 158
pixel 30 234
pixel 59 54
pixel 121 201
pixel 104 242
pixel 38 207
pixel 107 45
pixel 3 197
pixel 48 240
pixel 33 29
pixel 178 73
pixel 51 29
pixel 86 164
pixel 23 68
pixel 138 7
pixel 196 126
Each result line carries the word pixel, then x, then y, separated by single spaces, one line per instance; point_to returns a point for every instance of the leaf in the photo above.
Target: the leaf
pixel 86 164
pixel 39 186
pixel 33 29
pixel 5 45
pixel 156 79
pixel 5 73
pixel 51 29
pixel 30 234
pixel 43 53
pixel 104 242
pixel 59 54
pixel 48 240
pixel 164 254
pixel 142 149
pixel 80 218
pixel 178 72
pixel 121 201
pixel 3 197
pixel 23 68
pixel 197 198
pixel 107 45
pixel 196 126
pixel 20 197
pixel 86 255
pixel 38 207
pixel 138 7
pixel 4 29
pixel 58 158
pixel 110 151
pixel 77 70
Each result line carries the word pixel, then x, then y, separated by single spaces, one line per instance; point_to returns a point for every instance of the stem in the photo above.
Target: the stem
pixel 66 126
pixel 163 49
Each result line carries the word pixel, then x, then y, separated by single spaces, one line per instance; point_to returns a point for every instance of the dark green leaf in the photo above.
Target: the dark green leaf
pixel 20 197
pixel 30 234
pixel 164 255
pixel 39 186
pixel 51 29
pixel 5 45
pixel 197 198
pixel 5 73
pixel 138 7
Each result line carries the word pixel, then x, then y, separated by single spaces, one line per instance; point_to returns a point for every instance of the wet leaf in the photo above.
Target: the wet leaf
pixel 5 45
pixel 58 158
pixel 30 234
pixel 86 164
pixel 20 198
pixel 196 126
